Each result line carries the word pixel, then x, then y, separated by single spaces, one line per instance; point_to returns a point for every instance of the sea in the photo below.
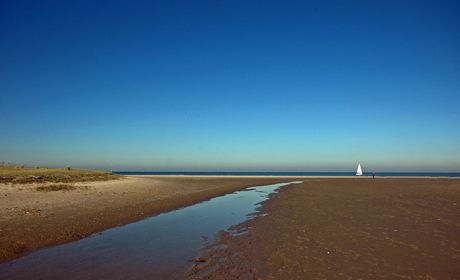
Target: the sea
pixel 294 174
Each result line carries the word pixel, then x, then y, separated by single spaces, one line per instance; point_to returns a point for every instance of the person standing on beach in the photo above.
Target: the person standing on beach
pixel 373 174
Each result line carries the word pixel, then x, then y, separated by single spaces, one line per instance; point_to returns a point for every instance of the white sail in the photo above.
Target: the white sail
pixel 359 172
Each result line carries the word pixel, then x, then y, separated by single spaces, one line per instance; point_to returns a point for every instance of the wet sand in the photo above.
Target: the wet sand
pixel 355 228
pixel 31 220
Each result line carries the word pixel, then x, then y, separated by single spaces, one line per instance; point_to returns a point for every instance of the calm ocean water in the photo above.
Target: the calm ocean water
pixel 386 174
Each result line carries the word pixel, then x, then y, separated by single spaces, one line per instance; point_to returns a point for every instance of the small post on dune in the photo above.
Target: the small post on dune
pixel 111 166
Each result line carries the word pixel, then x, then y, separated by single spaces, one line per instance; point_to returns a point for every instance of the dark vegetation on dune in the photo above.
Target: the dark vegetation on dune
pixel 26 175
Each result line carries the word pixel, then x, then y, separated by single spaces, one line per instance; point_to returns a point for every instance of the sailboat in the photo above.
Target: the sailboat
pixel 359 172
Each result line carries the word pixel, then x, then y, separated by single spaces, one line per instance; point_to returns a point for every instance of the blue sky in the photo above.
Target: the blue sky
pixel 231 85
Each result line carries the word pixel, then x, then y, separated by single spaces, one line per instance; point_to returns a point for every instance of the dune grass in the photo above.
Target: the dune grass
pixel 56 187
pixel 27 175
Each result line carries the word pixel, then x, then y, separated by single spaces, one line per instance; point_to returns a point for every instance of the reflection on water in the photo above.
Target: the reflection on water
pixel 156 248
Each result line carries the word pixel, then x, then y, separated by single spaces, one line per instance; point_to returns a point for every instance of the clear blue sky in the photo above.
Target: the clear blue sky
pixel 231 85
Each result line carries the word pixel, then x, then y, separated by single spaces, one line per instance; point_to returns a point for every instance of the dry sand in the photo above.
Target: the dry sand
pixel 31 220
pixel 387 228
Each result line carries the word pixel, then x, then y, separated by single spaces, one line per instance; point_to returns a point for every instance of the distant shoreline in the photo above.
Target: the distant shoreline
pixel 297 174
pixel 292 177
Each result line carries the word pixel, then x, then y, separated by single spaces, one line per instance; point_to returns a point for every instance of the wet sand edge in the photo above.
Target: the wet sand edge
pixel 335 228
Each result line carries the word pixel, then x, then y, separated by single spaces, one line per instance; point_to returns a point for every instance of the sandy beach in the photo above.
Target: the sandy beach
pixel 323 228
pixel 31 220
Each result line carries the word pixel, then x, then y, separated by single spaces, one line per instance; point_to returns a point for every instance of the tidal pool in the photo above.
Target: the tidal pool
pixel 160 247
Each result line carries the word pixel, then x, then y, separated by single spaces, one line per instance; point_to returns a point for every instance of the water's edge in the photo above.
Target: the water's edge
pixel 297 174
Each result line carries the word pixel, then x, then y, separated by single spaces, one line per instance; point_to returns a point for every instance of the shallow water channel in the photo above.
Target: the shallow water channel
pixel 156 248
